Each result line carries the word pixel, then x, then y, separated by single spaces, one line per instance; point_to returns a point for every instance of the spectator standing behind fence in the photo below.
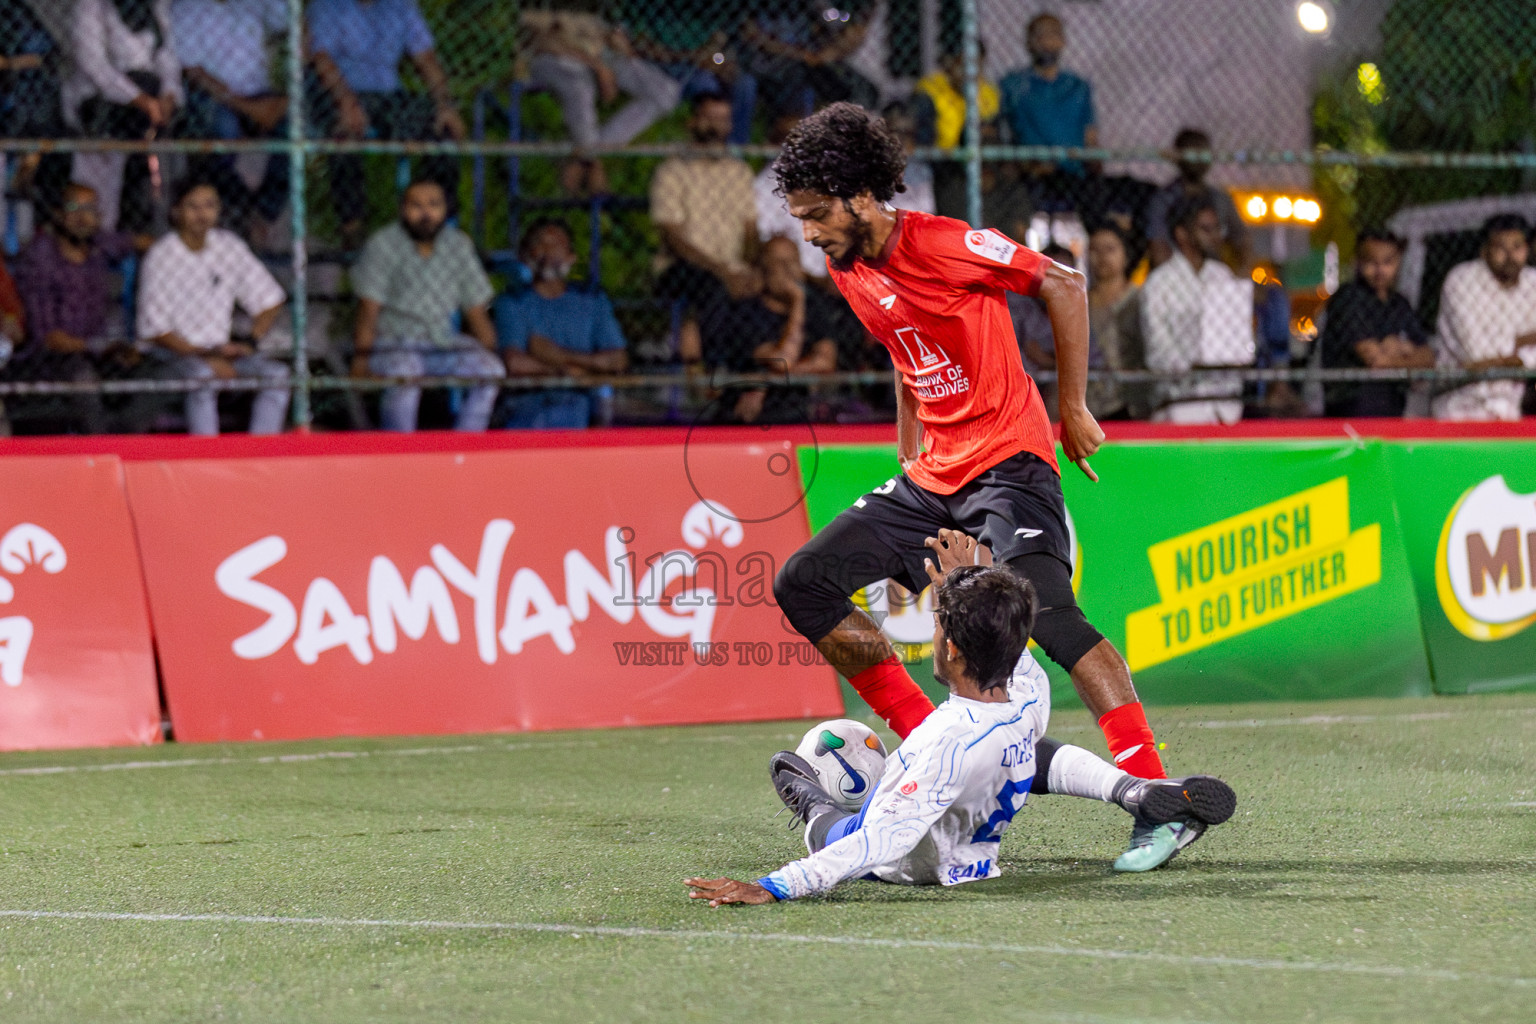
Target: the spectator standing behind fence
pixel 126 85
pixel 189 286
pixel 1369 324
pixel 412 278
pixel 1197 314
pixel 1191 184
pixel 696 45
pixel 1488 320
pixel 356 47
pixel 552 328
pixel 582 60
pixel 938 104
pixel 222 45
pixel 1114 325
pixel 703 207
pixel 1044 105
pixel 64 275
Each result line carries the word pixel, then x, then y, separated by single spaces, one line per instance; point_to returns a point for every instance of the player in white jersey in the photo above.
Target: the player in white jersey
pixel 953 786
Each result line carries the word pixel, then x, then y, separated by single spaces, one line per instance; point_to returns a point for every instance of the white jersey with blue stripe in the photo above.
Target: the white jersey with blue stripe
pixel 947 795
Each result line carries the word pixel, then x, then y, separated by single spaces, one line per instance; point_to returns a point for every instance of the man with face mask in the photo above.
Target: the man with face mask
pixel 1044 105
pixel 1488 320
pixel 410 280
pixel 552 328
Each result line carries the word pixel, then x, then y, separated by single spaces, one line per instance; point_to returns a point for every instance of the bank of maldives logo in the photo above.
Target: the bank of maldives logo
pixel 1485 562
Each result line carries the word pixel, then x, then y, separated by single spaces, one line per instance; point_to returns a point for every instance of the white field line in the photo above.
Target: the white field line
pixel 344 755
pixel 319 755
pixel 782 938
pixel 1266 723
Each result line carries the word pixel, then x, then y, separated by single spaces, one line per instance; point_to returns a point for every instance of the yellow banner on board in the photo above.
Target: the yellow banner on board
pixel 1250 570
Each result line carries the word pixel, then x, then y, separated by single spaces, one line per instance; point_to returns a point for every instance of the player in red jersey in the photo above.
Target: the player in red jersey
pixel 975 444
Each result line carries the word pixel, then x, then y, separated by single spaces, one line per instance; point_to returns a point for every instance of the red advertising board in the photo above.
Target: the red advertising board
pixel 76 665
pixel 495 591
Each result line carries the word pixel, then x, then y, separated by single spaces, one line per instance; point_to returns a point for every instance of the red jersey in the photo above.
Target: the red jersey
pixel 935 299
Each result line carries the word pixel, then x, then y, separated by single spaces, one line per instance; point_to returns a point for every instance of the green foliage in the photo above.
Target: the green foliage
pixel 1454 77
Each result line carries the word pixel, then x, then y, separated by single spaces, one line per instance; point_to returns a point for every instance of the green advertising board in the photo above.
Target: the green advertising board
pixel 1225 571
pixel 1468 512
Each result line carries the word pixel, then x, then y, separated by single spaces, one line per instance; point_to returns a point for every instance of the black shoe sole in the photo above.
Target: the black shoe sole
pixel 1202 797
pixel 792 763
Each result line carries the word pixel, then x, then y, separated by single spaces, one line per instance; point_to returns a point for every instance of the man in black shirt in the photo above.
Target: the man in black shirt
pixel 1370 324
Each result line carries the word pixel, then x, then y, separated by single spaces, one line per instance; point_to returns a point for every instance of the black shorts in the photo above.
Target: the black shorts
pixel 1015 508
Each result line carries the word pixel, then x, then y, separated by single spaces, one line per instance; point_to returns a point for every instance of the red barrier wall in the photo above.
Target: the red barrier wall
pixel 76 665
pixel 299 597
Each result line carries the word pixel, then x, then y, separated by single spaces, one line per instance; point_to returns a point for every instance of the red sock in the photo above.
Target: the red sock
pixel 890 690
pixel 1131 743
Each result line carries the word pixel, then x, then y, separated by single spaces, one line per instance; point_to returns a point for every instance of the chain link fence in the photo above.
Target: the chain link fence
pixel 560 213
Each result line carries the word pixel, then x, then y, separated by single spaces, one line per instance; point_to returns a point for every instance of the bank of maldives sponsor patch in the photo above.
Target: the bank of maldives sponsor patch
pixel 1486 559
pixel 990 244
pixel 1250 570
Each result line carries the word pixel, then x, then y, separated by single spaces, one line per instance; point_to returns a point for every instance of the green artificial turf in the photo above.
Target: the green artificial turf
pixel 1380 868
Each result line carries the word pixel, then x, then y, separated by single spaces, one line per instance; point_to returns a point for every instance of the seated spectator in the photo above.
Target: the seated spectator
pixel 695 45
pixel 1046 106
pixel 65 279
pixel 222 45
pixel 356 47
pixel 29 88
pixel 29 102
pixel 1369 324
pixel 126 85
pixel 799 54
pixel 12 313
pixel 939 106
pixel 773 219
pixel 704 210
pixel 1114 325
pixel 1488 320
pixel 189 285
pixel 410 280
pixel 1195 314
pixel 917 178
pixel 767 333
pixel 583 60
pixel 1191 184
pixel 554 329
pixel 1032 329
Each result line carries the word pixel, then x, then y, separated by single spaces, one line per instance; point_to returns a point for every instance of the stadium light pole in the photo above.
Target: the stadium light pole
pixel 972 56
pixel 296 199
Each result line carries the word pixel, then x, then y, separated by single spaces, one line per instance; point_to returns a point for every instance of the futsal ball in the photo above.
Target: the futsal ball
pixel 848 757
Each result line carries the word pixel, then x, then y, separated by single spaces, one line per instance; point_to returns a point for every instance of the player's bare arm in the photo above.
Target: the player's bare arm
pixel 909 432
pixel 1065 294
pixel 720 891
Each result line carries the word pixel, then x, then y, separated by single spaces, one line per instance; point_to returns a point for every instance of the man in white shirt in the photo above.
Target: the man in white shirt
pixel 952 788
pixel 189 285
pixel 1488 320
pixel 1193 316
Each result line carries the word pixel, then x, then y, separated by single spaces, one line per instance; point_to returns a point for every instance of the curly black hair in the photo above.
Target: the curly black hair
pixel 842 151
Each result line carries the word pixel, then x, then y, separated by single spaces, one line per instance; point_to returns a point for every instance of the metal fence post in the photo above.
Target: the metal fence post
pixel 972 112
pixel 297 174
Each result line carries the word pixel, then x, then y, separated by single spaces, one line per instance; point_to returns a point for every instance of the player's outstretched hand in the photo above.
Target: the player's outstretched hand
pixel 1081 436
pixel 951 548
pixel 720 891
